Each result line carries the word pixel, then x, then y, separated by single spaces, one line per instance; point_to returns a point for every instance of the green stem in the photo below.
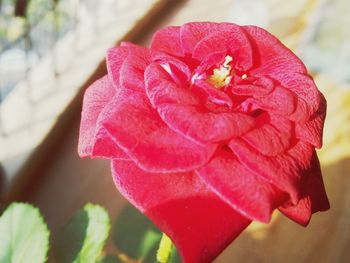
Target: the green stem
pixel 164 250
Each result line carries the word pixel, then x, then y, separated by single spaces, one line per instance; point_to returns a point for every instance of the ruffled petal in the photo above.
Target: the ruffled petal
pixel 245 191
pixel 198 222
pixel 272 138
pixel 312 130
pixel 214 99
pixel 234 41
pixel 94 140
pixel 133 68
pixel 284 170
pixel 168 40
pixel 280 101
pixel 139 131
pixel 114 60
pixel 192 33
pixel 116 57
pixel 304 87
pixel 315 196
pixel 161 88
pixel 259 87
pixel 203 126
pixel 271 57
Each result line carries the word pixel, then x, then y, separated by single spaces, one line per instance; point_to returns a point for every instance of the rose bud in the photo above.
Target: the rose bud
pixel 213 126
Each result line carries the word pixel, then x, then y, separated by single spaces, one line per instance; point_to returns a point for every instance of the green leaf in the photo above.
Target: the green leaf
pixel 175 257
pixel 134 234
pixel 82 239
pixel 109 259
pixel 24 236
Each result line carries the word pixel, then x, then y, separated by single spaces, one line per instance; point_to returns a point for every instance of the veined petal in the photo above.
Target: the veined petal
pixel 311 130
pixel 271 138
pixel 192 33
pixel 168 40
pixel 245 191
pixel 205 126
pixel 315 196
pixel 272 58
pixel 161 88
pixel 279 101
pixel 139 131
pixel 94 140
pixel 116 57
pixel 284 171
pixel 233 41
pixel 178 204
pixel 133 68
pixel 304 87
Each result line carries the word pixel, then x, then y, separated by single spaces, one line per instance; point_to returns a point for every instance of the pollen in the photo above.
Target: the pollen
pixel 244 76
pixel 222 76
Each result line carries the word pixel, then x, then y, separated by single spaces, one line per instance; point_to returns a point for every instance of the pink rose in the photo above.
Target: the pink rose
pixel 213 126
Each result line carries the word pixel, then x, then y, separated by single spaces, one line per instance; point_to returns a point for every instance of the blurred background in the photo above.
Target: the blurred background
pixel 52 50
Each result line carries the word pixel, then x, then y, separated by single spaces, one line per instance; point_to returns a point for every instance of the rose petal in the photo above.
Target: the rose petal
pixel 198 222
pixel 312 130
pixel 272 138
pixel 304 87
pixel 245 191
pixel 192 33
pixel 279 101
pixel 215 99
pixel 116 57
pixel 204 126
pixel 161 88
pixel 132 70
pixel 94 140
pixel 176 68
pixel 234 41
pixel 315 199
pixel 259 87
pixel 168 40
pixel 139 131
pixel 284 170
pixel 271 57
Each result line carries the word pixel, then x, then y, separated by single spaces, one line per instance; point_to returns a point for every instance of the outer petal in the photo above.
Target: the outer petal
pixel 315 196
pixel 245 191
pixel 304 87
pixel 272 58
pixel 94 140
pixel 284 171
pixel 132 70
pixel 168 40
pixel 117 56
pixel 138 130
pixel 179 205
pixel 312 130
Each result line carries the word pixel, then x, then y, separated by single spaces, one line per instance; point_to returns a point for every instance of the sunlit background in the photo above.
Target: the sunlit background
pixel 51 50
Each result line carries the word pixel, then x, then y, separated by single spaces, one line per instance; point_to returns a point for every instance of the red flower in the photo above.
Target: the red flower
pixel 213 126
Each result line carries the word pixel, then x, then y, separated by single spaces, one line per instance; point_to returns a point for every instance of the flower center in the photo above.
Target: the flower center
pixel 221 76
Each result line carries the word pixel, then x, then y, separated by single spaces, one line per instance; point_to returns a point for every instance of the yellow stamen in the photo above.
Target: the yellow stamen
pixel 221 76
